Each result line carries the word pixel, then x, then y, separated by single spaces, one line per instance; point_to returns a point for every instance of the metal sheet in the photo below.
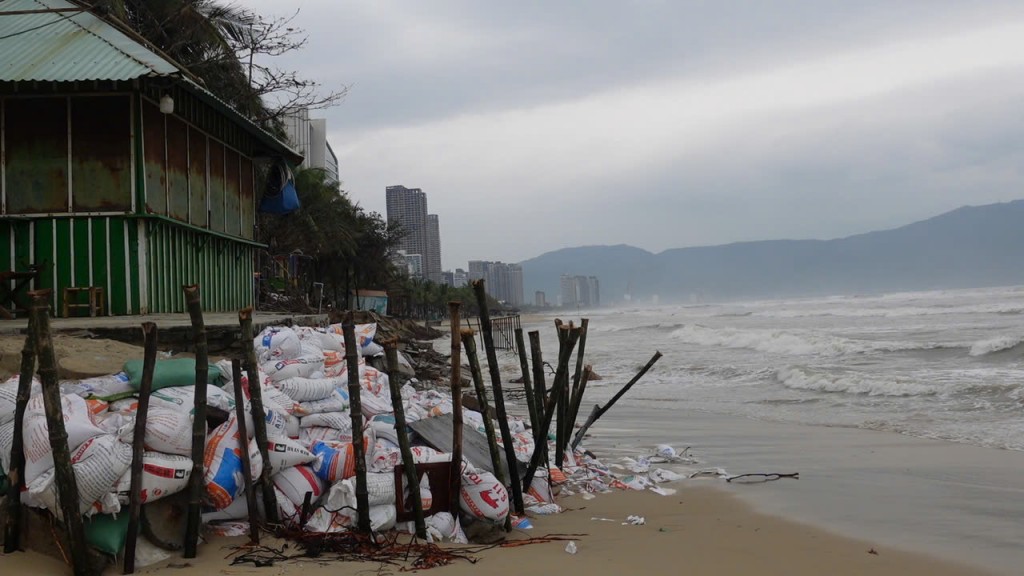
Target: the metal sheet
pixel 232 200
pixel 197 185
pixel 247 199
pixel 177 169
pixel 217 186
pixel 101 153
pixel 36 150
pixel 154 158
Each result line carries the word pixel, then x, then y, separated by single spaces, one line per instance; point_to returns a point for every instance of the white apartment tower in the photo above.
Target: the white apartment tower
pixel 407 207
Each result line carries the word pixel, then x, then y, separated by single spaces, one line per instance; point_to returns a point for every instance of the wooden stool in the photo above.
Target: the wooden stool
pixel 95 304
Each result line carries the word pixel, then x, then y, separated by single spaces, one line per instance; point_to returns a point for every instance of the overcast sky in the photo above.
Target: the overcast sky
pixel 534 126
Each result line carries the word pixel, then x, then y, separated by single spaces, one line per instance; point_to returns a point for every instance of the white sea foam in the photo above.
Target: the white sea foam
pixel 790 343
pixel 993 345
pixel 801 378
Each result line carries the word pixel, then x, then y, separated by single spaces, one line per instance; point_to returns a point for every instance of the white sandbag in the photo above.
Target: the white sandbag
pixel 310 436
pixel 374 404
pixel 117 423
pixel 292 426
pixel 296 481
pixel 162 475
pixel 483 497
pixel 384 429
pixel 274 399
pixel 336 460
pixel 99 386
pixel 124 406
pixel 9 396
pixel 6 443
pixel 332 403
pixel 235 511
pixel 97 464
pixel 169 431
pixel 334 364
pixel 299 367
pixel 183 398
pixel 277 343
pixel 77 424
pixel 386 457
pixel 372 349
pixel 222 461
pixel 284 453
pixel 337 420
pixel 301 389
pixel 285 508
pixel 441 527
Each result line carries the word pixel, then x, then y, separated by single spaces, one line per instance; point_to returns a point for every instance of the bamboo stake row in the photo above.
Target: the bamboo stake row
pixel 259 416
pixel 149 337
pixel 408 464
pixel 16 474
pixel 356 409
pixel 456 387
pixel 194 305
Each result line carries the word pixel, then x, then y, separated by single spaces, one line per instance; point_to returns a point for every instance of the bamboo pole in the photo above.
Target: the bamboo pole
pixel 524 367
pixel 194 305
pixel 259 415
pixel 599 411
pixel 456 386
pixel 540 448
pixel 408 463
pixel 243 445
pixel 67 484
pixel 16 474
pixel 149 337
pixel 561 400
pixel 481 392
pixel 356 407
pixel 577 393
pixel 499 399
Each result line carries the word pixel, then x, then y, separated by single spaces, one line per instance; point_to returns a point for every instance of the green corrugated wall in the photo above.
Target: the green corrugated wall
pixel 89 251
pixel 178 255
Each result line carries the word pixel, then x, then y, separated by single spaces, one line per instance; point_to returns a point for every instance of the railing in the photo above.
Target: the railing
pixel 502 329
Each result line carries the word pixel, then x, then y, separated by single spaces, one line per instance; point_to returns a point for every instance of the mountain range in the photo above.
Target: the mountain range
pixel 972 246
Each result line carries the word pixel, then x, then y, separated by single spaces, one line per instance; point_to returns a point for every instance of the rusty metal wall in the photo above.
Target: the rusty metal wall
pixel 177 169
pixel 217 186
pixel 101 154
pixel 232 207
pixel 36 155
pixel 154 158
pixel 197 155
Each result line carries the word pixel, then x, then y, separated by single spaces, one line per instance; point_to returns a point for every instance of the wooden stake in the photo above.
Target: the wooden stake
pixel 356 407
pixel 540 448
pixel 67 484
pixel 259 415
pixel 408 463
pixel 243 444
pixel 149 337
pixel 499 399
pixel 524 367
pixel 481 392
pixel 561 399
pixel 599 411
pixel 540 393
pixel 16 474
pixel 577 393
pixel 195 483
pixel 456 387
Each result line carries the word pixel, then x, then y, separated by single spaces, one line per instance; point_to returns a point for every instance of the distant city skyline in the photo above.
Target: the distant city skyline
pixel 407 208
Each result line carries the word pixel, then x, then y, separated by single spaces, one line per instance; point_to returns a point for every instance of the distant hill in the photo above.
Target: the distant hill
pixel 973 246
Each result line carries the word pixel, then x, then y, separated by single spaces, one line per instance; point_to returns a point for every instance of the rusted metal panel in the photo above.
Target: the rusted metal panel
pixel 197 177
pixel 154 156
pixel 36 155
pixel 101 153
pixel 217 185
pixel 248 203
pixel 177 169
pixel 232 203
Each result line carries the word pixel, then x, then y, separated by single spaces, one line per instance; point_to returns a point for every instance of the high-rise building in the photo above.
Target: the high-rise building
pixel 433 263
pixel 309 137
pixel 460 278
pixel 539 299
pixel 579 291
pixel 407 208
pixel 504 282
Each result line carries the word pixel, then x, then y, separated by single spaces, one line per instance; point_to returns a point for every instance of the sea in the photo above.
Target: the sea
pixel 943 364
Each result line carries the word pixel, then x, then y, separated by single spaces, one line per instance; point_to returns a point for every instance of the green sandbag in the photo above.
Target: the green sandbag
pixel 169 373
pixel 107 532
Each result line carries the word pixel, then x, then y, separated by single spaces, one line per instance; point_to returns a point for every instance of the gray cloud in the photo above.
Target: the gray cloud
pixel 534 126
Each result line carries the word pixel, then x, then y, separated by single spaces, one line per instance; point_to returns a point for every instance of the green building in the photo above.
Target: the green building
pixel 119 170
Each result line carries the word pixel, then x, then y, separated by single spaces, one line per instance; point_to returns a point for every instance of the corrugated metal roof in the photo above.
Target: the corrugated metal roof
pixel 69 46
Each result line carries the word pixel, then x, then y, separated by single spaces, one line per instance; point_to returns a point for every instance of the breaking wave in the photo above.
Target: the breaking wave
pixel 790 343
pixel 994 345
pixel 799 378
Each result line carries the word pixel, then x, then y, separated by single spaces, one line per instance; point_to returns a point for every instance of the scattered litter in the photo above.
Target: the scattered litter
pixel 662 491
pixel 634 520
pixel 599 519
pixel 571 547
pixel 762 477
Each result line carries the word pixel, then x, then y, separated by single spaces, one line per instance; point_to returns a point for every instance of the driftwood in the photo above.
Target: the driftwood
pixel 456 386
pixel 67 484
pixel 16 474
pixel 356 407
pixel 599 411
pixel 149 337
pixel 243 446
pixel 540 448
pixel 403 439
pixel 499 397
pixel 195 486
pixel 259 415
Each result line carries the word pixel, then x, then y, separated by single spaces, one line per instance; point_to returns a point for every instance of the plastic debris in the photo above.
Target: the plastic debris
pixel 633 520
pixel 571 547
